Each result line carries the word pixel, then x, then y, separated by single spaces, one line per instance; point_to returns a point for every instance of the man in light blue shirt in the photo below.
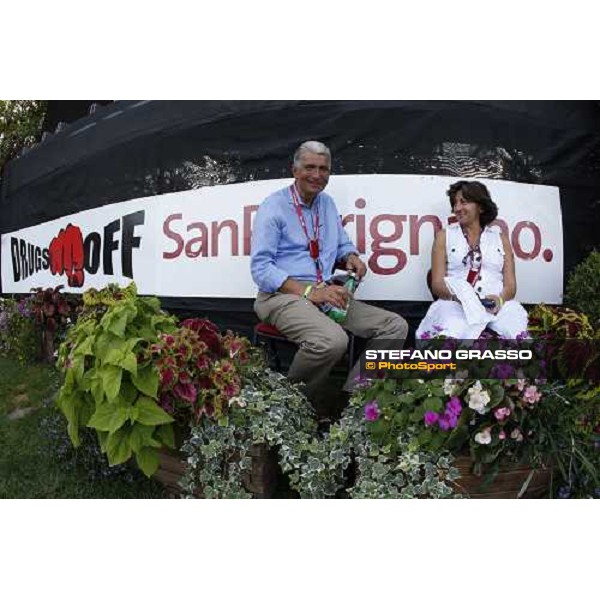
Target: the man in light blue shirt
pixel 297 239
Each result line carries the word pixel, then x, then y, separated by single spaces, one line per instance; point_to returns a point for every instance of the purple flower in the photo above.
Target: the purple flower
pixel 438 328
pixel 372 411
pixel 502 371
pixel 451 418
pixel 430 418
pixel 444 422
pixel 564 492
pixel 449 344
pixel 361 382
pixel 453 406
pixel 426 335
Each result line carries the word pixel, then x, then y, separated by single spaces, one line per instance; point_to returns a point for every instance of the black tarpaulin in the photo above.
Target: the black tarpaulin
pixel 133 149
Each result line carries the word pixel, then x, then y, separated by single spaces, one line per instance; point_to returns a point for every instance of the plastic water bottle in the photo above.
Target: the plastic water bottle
pixel 339 314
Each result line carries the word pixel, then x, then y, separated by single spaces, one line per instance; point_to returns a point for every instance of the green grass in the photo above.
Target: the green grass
pixel 29 465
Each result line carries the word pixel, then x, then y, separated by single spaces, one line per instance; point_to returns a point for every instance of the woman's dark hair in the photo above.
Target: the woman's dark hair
pixel 474 191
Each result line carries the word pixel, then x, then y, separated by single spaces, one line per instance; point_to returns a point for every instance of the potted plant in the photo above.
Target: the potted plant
pixel 200 372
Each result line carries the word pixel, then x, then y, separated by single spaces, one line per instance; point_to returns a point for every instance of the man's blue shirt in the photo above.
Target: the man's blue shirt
pixel 280 246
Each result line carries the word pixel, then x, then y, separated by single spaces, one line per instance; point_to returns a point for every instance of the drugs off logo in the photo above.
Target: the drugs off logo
pixel 72 255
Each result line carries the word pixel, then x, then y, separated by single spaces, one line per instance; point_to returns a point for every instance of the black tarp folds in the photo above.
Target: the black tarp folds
pixel 133 149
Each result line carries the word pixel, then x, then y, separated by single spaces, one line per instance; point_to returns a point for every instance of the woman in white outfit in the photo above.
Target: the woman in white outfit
pixel 473 250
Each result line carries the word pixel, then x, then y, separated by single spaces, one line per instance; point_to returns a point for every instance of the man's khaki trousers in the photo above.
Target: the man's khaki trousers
pixel 321 341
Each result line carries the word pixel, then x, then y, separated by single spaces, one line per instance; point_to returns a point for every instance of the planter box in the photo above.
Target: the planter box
pixel 511 481
pixel 260 481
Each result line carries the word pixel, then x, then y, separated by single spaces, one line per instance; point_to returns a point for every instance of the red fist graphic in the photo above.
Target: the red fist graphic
pixel 66 255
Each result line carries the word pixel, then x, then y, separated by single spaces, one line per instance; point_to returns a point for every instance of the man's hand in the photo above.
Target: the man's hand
pixel 354 264
pixel 331 294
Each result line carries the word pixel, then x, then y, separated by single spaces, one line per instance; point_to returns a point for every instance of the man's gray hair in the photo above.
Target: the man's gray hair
pixel 312 147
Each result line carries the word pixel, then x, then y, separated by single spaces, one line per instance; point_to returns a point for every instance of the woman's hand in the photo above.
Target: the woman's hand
pixel 497 304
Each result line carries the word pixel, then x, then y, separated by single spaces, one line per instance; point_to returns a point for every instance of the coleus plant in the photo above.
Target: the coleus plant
pixel 51 310
pixel 200 370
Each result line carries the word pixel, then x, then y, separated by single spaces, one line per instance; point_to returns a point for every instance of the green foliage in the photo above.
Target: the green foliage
pixel 37 459
pixel 20 126
pixel 110 383
pixel 20 335
pixel 568 429
pixel 272 411
pixel 539 423
pixel 583 288
pixel 269 410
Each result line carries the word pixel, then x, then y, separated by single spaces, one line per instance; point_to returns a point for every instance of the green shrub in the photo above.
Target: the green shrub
pixel 110 383
pixel 583 287
pixel 20 336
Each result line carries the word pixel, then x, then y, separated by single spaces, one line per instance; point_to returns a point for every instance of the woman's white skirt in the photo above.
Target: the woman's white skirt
pixel 447 317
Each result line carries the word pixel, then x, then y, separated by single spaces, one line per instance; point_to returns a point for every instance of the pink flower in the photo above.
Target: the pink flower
pixel 169 340
pixel 501 435
pixel 430 418
pixel 502 413
pixel 531 395
pixel 521 384
pixel 372 411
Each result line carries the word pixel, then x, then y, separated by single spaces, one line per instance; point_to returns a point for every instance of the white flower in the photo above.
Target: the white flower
pixel 237 400
pixel 449 386
pixel 478 398
pixel 483 437
pixel 516 435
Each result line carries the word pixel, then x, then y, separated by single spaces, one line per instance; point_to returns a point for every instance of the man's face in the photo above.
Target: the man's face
pixel 312 175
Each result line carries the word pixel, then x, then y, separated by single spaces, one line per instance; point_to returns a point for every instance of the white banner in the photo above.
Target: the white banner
pixel 197 243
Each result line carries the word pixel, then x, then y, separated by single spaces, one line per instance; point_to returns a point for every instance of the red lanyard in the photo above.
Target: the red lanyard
pixel 313 243
pixel 471 257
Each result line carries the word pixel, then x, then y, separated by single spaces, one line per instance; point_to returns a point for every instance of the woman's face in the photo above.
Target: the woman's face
pixel 466 212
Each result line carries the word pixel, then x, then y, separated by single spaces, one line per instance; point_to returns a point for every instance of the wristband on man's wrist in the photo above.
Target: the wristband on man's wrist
pixel 501 300
pixel 307 291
